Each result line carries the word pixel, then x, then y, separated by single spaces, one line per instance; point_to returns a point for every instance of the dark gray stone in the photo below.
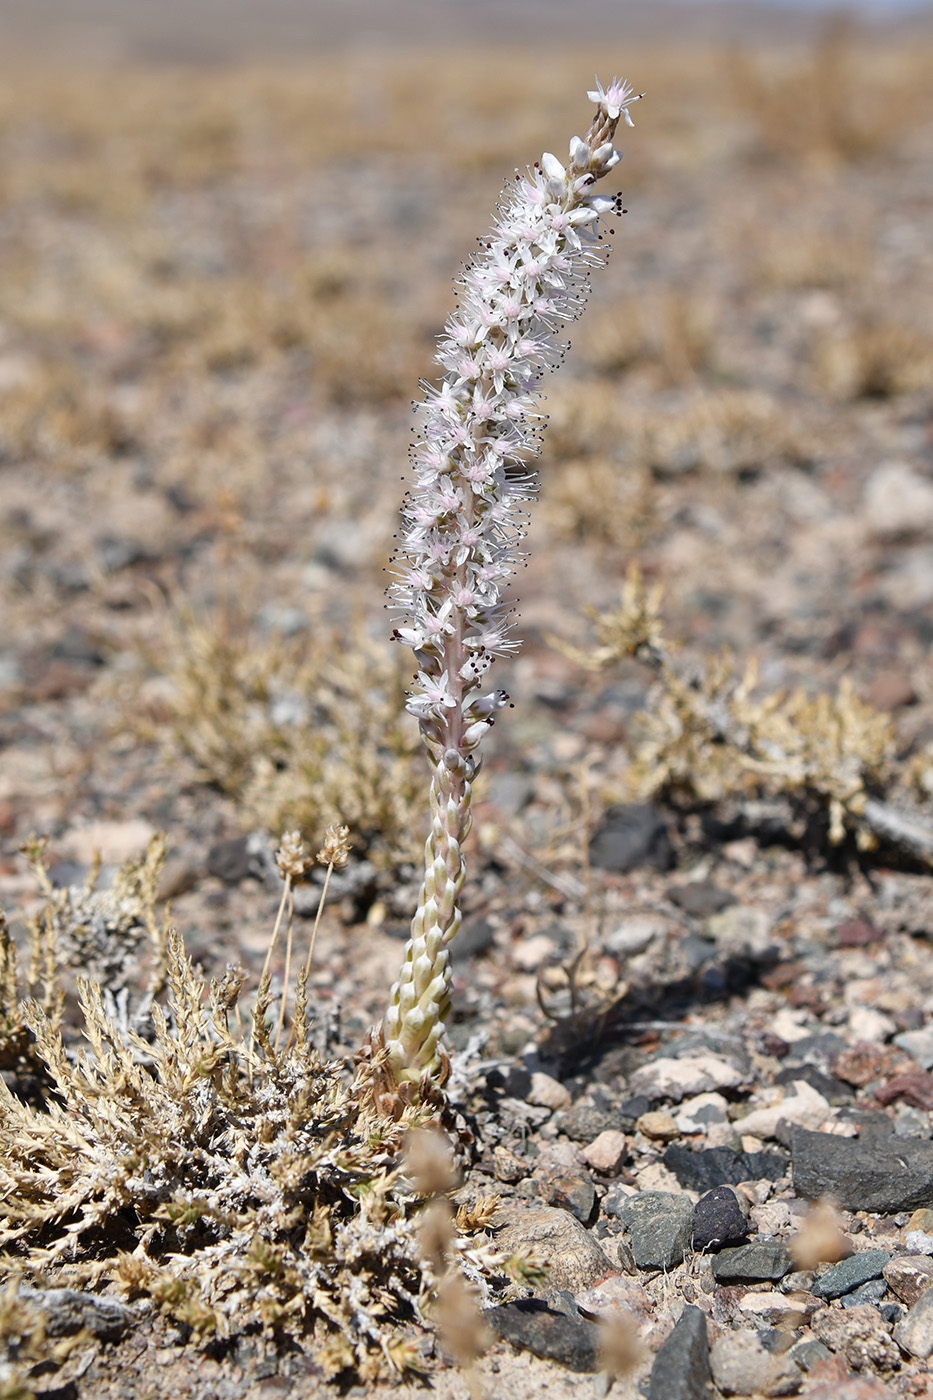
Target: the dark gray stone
pixel 833 1090
pixel 914 1333
pixel 884 1175
pixel 68 1310
pixel 700 898
pixel 531 1325
pixel 808 1351
pixel 115 552
pixel 818 1049
pixel 762 1260
pixel 722 1166
pixel 585 1120
pixel 632 834
pixel 718 1220
pixel 681 1369
pixel 659 1224
pixel 476 936
pixel 871 1292
pixel 230 860
pixel 850 1273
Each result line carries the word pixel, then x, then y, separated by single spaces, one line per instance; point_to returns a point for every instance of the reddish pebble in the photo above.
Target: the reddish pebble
pixel 865 1062
pixel 915 1088
pixel 856 933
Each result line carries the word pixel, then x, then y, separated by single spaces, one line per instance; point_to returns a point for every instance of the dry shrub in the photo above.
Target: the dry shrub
pixel 842 101
pixel 671 333
pixel 874 359
pixel 815 258
pixel 303 732
pixel 240 1187
pixel 727 430
pixel 597 499
pixel 710 735
pixel 716 430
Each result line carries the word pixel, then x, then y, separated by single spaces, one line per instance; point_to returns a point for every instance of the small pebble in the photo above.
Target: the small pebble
pixel 759 1261
pixel 718 1219
pixel 659 1125
pixel 851 1273
pixel 914 1333
pixel 546 1092
pixel 909 1275
pixel 742 1366
pixel 607 1152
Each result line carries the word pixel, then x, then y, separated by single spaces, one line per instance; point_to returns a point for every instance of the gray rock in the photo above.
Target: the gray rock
pixel 660 1224
pixel 858 1334
pixel 882 1175
pixel 834 1091
pixel 237 858
pixel 568 1190
pixel 742 1365
pixel 722 1166
pixel 871 1292
pixel 68 1310
pixel 808 1351
pixel 918 1044
pixel 700 898
pixel 574 1258
pixel 585 1120
pixel 742 932
pixel 851 1273
pixel 531 1325
pixel 229 860
pixel 914 1333
pixel 631 834
pixel 681 1369
pixel 763 1260
pixel 718 1220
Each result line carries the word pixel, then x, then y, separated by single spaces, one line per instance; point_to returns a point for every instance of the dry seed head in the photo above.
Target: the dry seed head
pixel 429 1162
pixel 292 858
pixel 459 1321
pixel 336 848
pixel 478 1216
pixel 820 1239
pixel 620 1348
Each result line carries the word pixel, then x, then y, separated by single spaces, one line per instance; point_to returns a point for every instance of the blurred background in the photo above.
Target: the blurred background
pixel 216 31
pixel 227 238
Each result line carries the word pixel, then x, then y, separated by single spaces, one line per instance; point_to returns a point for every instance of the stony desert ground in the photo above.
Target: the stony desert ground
pixel 696 893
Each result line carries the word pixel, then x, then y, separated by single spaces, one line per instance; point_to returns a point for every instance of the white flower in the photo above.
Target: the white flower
pixel 616 99
pixel 462 519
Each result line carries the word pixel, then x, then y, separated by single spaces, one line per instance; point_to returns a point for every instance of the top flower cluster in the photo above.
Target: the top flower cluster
pixel 462 521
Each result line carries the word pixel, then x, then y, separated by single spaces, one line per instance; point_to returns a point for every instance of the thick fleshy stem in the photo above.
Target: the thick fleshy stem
pixel 421 996
pixel 463 521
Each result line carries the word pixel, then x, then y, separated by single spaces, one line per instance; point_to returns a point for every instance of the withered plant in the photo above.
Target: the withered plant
pixel 240 1186
pixel 710 735
pixel 300 731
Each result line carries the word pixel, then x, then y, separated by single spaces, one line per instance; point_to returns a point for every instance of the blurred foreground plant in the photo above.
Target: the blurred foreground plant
pixel 464 521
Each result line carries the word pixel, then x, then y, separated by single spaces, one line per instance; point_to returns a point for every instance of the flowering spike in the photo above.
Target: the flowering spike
pixel 480 431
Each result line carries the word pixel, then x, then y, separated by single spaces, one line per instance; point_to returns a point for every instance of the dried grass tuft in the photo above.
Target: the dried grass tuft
pixel 238 1186
pixel 301 732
